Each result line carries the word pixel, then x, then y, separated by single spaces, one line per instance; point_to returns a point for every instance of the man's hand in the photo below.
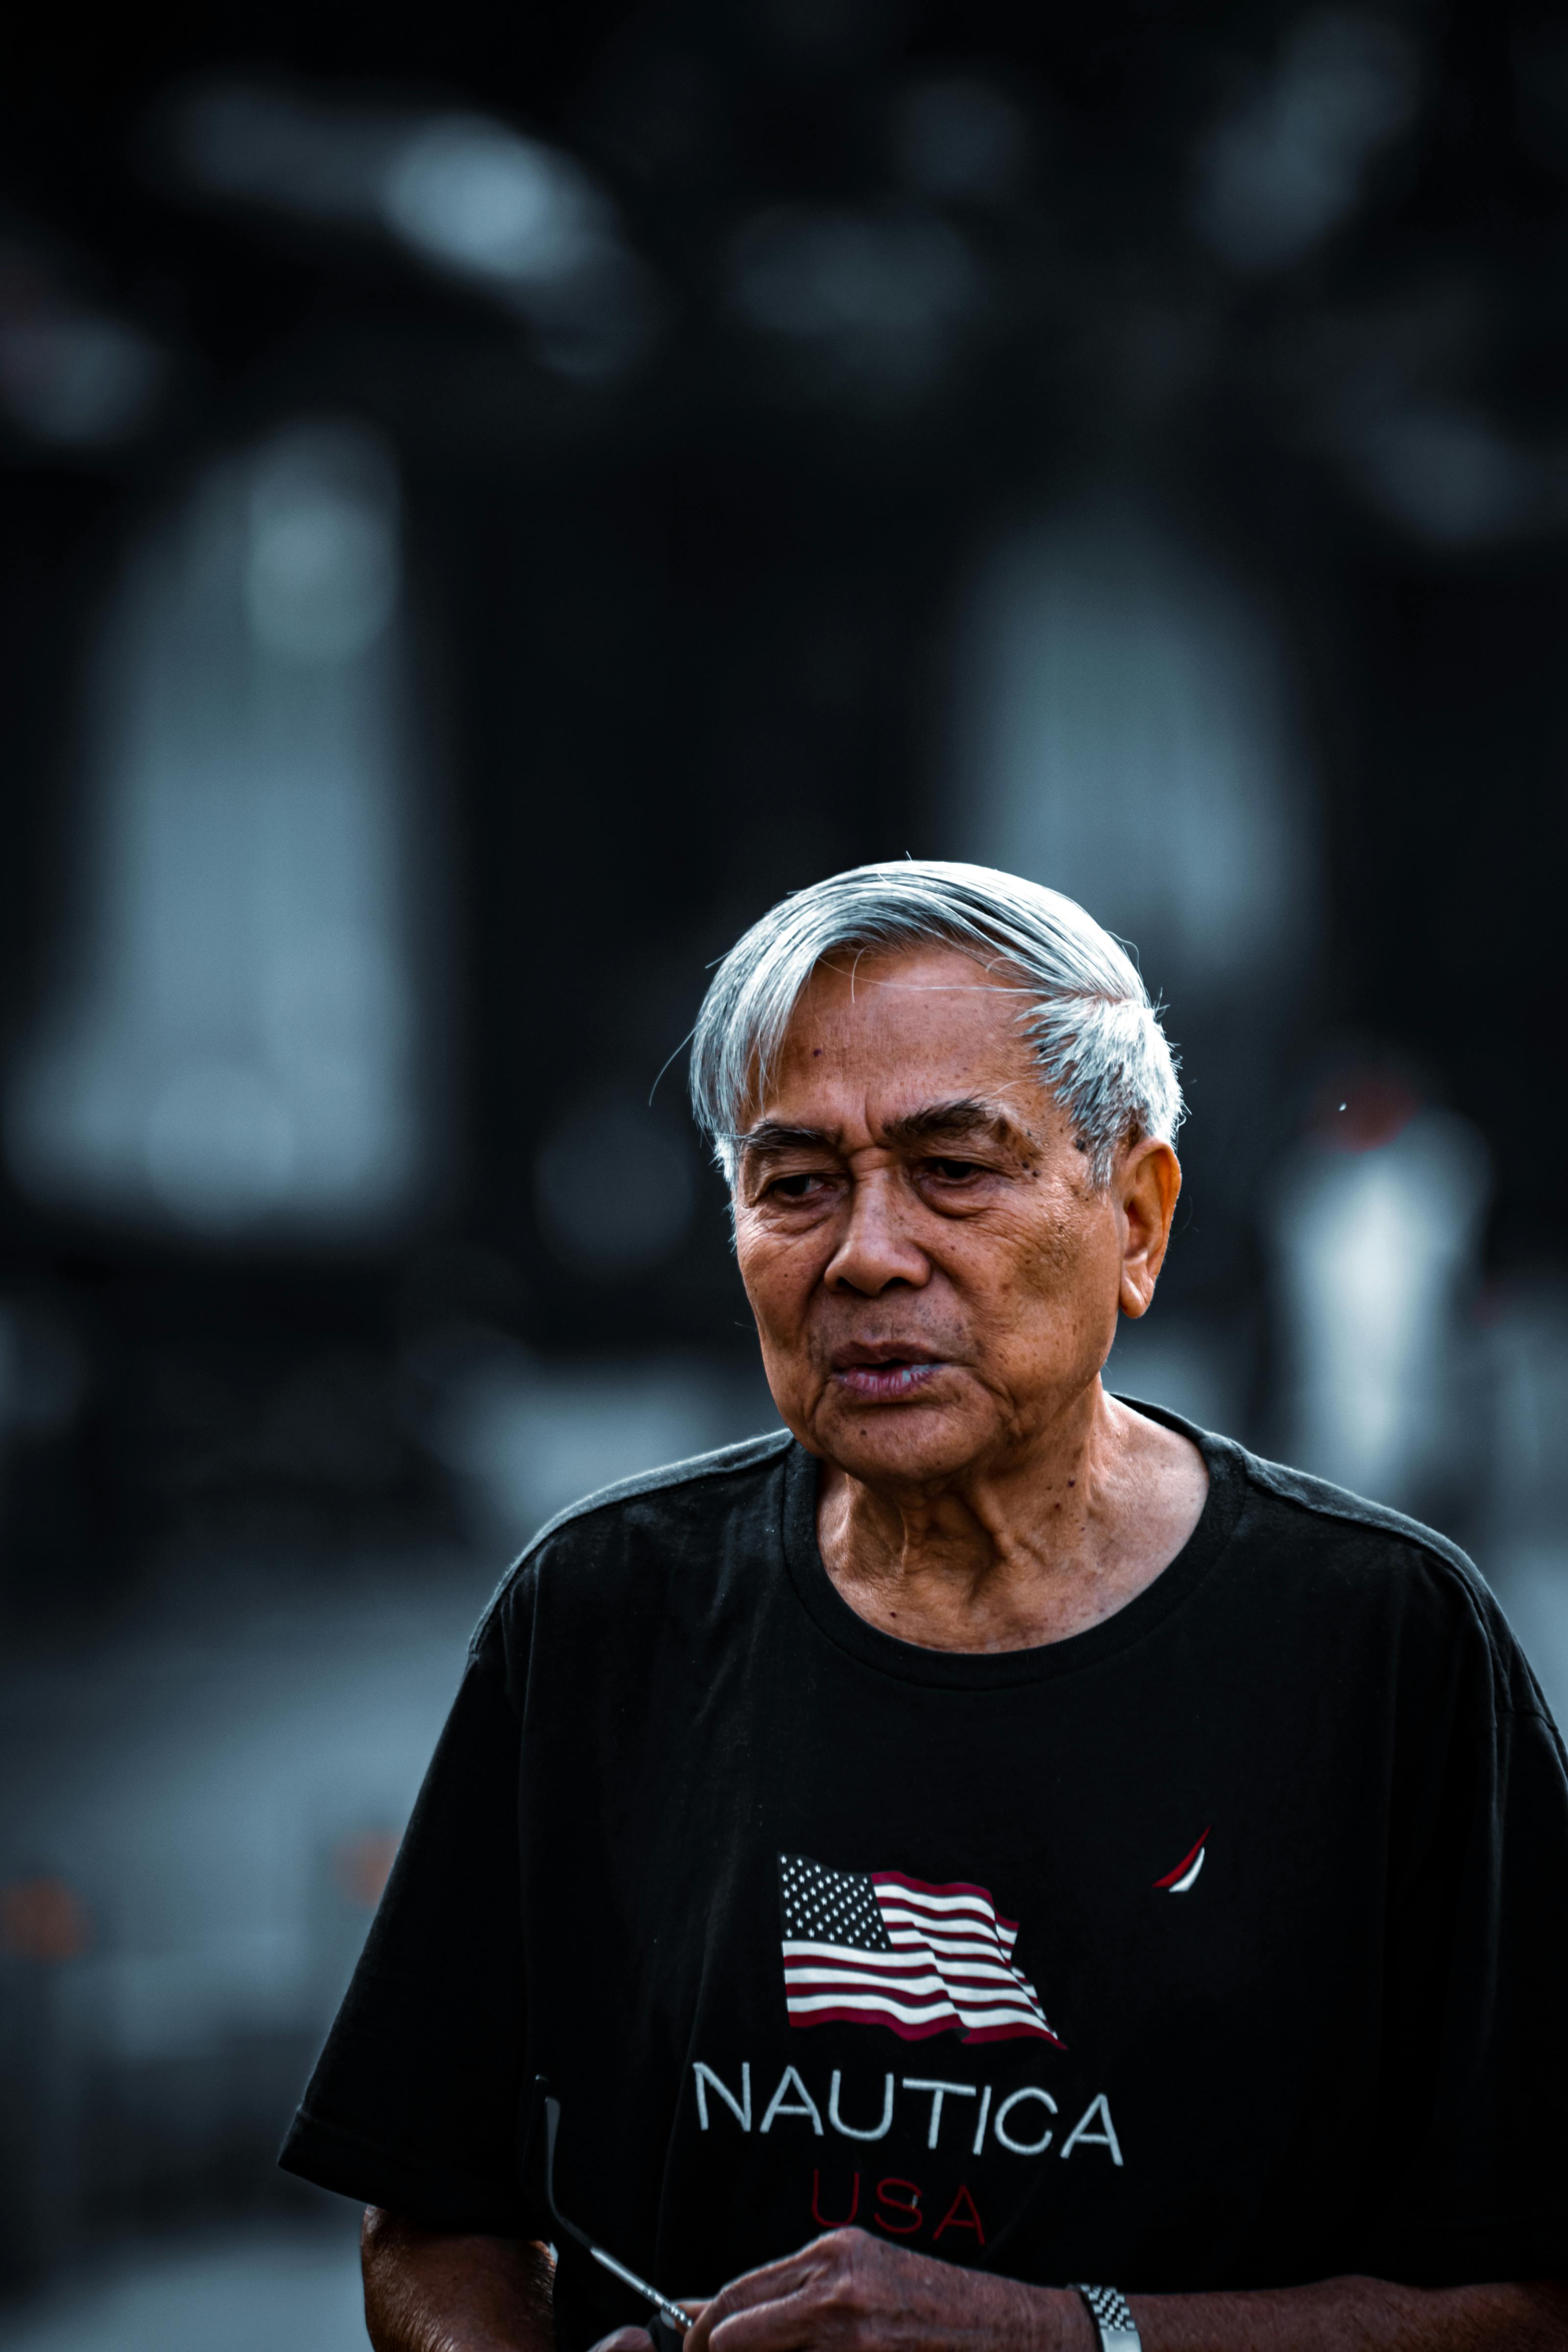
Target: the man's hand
pixel 850 2293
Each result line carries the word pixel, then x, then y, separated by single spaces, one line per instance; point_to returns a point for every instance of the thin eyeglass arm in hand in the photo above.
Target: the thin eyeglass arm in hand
pixel 670 2312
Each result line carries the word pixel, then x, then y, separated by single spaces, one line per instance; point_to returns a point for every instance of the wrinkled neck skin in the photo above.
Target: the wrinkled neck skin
pixel 1060 1528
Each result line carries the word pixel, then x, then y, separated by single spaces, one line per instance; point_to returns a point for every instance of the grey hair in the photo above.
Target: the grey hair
pixel 1096 1036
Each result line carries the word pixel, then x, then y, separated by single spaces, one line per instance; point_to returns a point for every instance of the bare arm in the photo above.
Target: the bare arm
pixel 1367 2314
pixel 428 2291
pixel 849 2292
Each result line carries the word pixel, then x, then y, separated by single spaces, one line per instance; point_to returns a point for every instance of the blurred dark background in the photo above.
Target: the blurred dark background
pixel 490 499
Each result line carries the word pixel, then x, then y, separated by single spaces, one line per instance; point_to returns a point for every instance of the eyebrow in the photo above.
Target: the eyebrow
pixel 934 1123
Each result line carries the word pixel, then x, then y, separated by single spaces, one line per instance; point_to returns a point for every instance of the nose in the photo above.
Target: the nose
pixel 876 1250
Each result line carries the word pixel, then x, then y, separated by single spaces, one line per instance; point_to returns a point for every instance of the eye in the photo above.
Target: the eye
pixel 794 1188
pixel 955 1171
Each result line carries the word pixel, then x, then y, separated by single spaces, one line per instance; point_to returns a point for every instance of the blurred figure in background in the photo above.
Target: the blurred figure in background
pixel 1376 1226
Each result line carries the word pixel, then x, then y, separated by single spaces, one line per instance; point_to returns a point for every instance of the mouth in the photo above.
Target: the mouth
pixel 886 1372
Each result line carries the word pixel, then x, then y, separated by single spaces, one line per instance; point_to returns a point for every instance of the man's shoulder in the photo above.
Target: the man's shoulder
pixel 1335 1523
pixel 1388 1538
pixel 676 1502
pixel 1388 1556
pixel 679 1487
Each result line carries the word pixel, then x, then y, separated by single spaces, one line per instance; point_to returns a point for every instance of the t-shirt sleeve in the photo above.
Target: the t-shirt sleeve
pixel 414 2102
pixel 1477 2035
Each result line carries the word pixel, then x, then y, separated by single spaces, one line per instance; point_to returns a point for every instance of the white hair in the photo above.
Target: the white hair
pixel 1095 1036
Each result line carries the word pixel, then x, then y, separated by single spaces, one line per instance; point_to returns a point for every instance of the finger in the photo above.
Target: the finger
pixel 887 2296
pixel 803 2321
pixel 845 2284
pixel 625 2339
pixel 772 2283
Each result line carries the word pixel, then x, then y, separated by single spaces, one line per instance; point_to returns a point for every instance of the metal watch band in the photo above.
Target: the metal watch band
pixel 1113 2322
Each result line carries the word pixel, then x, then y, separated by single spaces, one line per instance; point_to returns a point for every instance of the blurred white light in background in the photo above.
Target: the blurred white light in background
pixel 1526 1557
pixel 233 1043
pixel 526 1437
pixel 877 297
pixel 1527 1343
pixel 959 138
pixel 282 148
pixel 518 219
pixel 79 379
pixel 1451 475
pixel 479 198
pixel 1178 1365
pixel 1291 163
pixel 321 574
pixel 1121 733
pixel 1377 1248
pixel 219 1143
pixel 614 1186
pixel 73 375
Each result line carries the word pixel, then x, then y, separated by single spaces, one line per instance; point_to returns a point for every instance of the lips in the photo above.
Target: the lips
pixel 882 1352
pixel 886 1371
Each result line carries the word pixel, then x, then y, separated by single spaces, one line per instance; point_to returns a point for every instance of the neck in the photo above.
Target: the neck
pixel 1027 1550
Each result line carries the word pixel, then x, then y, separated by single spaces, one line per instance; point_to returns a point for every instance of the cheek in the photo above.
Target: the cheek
pixel 776 1270
pixel 1048 1266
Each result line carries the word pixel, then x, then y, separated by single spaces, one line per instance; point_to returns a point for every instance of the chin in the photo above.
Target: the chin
pixel 901 1444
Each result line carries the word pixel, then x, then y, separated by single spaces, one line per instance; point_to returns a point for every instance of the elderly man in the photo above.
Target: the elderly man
pixel 987 1836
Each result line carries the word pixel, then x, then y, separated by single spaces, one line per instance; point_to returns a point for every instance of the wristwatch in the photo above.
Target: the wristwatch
pixel 1113 2322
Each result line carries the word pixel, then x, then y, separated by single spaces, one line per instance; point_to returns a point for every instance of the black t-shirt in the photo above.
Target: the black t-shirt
pixel 1225 1944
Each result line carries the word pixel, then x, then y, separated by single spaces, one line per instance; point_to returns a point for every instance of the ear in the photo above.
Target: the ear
pixel 1146 1187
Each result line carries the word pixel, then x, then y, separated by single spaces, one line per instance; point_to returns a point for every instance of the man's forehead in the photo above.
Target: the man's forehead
pixel 935 1017
pixel 903 1042
pixel 874 980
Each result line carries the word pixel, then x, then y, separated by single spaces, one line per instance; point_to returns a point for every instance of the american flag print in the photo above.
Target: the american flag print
pixel 878 1949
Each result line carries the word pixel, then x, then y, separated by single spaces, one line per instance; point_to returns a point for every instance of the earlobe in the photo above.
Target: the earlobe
pixel 1134 1295
pixel 1152 1186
